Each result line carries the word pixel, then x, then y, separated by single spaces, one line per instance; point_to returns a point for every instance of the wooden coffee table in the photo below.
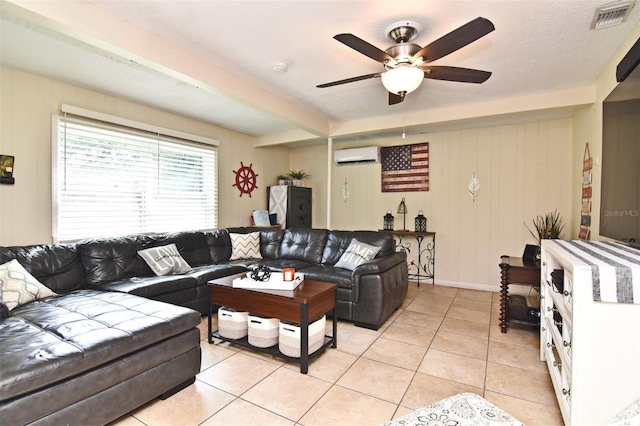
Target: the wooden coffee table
pixel 309 301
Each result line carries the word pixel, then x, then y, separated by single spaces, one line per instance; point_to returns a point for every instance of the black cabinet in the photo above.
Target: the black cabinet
pixel 292 204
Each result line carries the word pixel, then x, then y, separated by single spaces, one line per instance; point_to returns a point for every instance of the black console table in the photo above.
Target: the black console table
pixel 426 265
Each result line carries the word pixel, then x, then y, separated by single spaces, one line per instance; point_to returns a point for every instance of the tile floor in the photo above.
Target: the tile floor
pixel 442 341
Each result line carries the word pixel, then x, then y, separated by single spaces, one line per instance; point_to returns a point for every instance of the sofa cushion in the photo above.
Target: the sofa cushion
pixel 306 245
pixel 18 287
pixel 356 254
pixel 57 266
pixel 165 260
pixel 219 245
pixel 50 340
pixel 150 287
pixel 270 240
pixel 245 246
pixel 112 259
pixel 330 274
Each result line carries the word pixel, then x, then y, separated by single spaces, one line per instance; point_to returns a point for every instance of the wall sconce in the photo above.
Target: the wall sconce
pixel 346 189
pixel 402 209
pixel 388 221
pixel 474 186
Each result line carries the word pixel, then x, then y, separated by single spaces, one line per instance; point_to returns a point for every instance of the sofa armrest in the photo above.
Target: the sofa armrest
pixel 376 267
pixel 379 265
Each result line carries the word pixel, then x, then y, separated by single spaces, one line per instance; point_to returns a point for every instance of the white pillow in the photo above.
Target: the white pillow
pixel 356 254
pixel 18 287
pixel 245 246
pixel 165 260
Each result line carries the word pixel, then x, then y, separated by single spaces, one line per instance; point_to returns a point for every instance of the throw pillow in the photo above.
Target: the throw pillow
pixel 165 260
pixel 356 254
pixel 245 246
pixel 17 286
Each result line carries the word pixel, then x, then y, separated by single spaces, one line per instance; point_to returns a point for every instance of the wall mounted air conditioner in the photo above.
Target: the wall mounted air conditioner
pixel 367 154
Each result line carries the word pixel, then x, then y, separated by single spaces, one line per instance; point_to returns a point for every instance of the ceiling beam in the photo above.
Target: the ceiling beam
pixel 90 25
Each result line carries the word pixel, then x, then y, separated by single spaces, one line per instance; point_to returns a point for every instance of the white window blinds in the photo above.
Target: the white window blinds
pixel 112 180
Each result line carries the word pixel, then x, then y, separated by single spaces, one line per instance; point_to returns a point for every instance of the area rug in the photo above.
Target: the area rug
pixel 458 410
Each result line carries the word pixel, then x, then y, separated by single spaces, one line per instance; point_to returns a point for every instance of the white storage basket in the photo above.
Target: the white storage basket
pixel 232 324
pixel 263 332
pixel 289 343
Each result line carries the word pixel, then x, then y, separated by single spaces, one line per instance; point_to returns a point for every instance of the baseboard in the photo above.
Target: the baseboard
pixel 470 286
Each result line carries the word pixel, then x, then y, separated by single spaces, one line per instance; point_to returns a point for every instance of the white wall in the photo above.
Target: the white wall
pixel 26 106
pixel 524 170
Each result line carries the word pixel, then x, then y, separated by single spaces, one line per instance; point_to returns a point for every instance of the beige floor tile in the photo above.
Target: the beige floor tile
pixel 213 354
pixel 529 413
pixel 329 366
pixel 478 305
pixel 465 293
pixel 345 326
pixel 354 342
pixel 519 383
pixel 340 406
pixel 243 413
pixel 525 357
pixel 396 353
pixel 192 405
pixel 401 411
pixel 419 319
pixel 237 373
pixel 473 347
pixel 426 389
pixel 454 367
pixel 465 328
pixel 430 290
pixel 126 420
pixel 467 314
pixel 516 336
pixel 434 305
pixel 376 379
pixel 287 393
pixel 419 336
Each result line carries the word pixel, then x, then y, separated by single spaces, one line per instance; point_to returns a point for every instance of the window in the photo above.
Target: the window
pixel 109 180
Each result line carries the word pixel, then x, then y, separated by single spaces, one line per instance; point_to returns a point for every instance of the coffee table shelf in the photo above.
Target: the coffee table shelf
pixel 309 300
pixel 273 350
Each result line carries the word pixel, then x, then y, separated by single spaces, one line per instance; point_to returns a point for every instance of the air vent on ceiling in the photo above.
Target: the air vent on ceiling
pixel 610 14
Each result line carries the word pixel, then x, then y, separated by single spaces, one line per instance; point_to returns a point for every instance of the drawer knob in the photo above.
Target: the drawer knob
pixel 557 364
pixel 567 293
pixel 550 345
pixel 566 391
pixel 566 344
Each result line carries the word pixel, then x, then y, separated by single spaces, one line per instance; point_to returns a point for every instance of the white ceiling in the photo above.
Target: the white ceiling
pixel 538 47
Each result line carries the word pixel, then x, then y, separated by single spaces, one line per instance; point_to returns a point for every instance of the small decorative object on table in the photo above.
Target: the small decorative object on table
pixel 421 222
pixel 267 280
pixel 388 221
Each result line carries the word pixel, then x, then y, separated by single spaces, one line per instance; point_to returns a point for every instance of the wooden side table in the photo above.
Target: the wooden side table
pixel 514 271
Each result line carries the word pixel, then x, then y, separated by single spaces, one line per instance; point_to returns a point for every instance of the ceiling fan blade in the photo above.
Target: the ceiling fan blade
pixel 363 47
pixel 395 99
pixel 456 39
pixel 463 75
pixel 349 80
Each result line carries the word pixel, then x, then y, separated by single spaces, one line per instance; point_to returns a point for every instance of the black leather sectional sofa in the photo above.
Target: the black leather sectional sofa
pixel 106 344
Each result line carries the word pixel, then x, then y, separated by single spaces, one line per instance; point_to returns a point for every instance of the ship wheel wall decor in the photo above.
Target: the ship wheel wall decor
pixel 246 179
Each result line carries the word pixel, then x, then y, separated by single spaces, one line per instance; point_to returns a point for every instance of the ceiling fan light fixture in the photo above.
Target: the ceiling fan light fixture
pixel 402 80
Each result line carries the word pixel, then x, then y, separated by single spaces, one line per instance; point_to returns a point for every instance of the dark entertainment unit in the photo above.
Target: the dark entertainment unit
pixel 620 195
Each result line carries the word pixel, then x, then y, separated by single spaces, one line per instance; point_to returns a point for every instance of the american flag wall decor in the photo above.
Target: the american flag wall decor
pixel 405 168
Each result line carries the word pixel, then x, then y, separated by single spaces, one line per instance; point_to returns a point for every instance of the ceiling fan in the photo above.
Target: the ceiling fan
pixel 405 63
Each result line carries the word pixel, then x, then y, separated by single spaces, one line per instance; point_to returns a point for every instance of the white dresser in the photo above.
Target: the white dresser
pixel 592 348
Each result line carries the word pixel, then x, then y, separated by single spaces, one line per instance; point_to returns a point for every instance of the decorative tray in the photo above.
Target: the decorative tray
pixel 275 282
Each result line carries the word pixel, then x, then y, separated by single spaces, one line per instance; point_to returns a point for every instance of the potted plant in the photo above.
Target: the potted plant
pixel 548 226
pixel 298 177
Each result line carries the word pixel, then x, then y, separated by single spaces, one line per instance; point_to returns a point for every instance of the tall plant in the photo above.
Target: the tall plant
pixel 548 226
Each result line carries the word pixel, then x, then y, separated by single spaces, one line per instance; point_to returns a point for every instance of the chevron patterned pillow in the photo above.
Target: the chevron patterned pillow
pixel 245 246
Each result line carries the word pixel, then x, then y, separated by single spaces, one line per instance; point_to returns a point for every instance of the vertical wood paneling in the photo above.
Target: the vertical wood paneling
pixel 524 170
